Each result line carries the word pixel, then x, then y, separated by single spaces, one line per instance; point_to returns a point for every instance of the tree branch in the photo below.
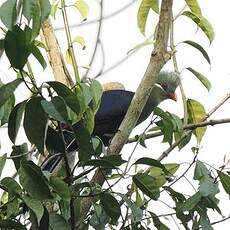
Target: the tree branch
pixel 189 126
pixel 158 58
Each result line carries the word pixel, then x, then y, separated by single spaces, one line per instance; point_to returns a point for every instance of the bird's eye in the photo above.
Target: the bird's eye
pixel 164 86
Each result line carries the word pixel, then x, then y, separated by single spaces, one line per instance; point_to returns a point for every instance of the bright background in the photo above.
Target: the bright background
pixel 119 34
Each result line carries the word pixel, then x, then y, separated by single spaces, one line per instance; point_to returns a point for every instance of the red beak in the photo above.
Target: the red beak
pixel 172 96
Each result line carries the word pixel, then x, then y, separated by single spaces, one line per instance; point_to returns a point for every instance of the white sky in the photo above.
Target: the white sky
pixel 120 34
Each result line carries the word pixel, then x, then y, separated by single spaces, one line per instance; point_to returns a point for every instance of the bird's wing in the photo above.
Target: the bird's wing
pixel 113 107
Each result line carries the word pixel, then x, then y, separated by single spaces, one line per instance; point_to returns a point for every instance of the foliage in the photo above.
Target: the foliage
pixel 48 201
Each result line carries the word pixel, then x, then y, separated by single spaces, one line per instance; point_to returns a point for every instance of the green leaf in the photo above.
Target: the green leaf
pixel 8 13
pixel 45 9
pixel 191 202
pixel 202 23
pixel 63 91
pixel 53 10
pixel 11 185
pixel 147 184
pixel 11 224
pixel 151 162
pixel 17 47
pixel 2 163
pixel 35 205
pixel 7 90
pixel 143 12
pixel 208 187
pixel 201 171
pixel 200 48
pixel 20 152
pixel 83 8
pixel 196 113
pixel 160 176
pixel 89 119
pixel 29 7
pixel 157 223
pixel 54 142
pixel 111 207
pixel 9 104
pixel 35 123
pixel 83 138
pixel 201 77
pixel 80 40
pixel 137 213
pixel 57 222
pixel 15 120
pixel 36 25
pixel 38 55
pixel 225 181
pixel 97 91
pixel 33 181
pixel 194 7
pixel 56 108
pixel 60 187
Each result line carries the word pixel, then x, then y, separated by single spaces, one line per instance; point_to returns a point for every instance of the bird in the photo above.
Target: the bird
pixel 114 105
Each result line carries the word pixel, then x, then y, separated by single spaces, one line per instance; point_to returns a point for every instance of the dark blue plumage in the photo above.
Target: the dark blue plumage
pixel 114 105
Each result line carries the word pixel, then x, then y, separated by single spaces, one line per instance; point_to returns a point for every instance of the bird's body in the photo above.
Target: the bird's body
pixel 115 103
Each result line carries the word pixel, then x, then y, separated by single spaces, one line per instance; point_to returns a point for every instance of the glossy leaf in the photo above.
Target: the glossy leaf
pixel 15 120
pixel 20 152
pixel 54 142
pixel 17 47
pixel 8 13
pixel 111 207
pixel 160 176
pixel 225 181
pixel 60 187
pixel 147 185
pixel 38 55
pixel 83 8
pixel 7 90
pixel 143 12
pixel 201 171
pixel 69 97
pixel 196 113
pixel 97 91
pixel 194 6
pixel 200 48
pixel 29 6
pixel 151 162
pixel 11 224
pixel 35 123
pixel 201 78
pixel 35 205
pixel 2 162
pixel 36 22
pixel 191 202
pixel 57 222
pixel 56 108
pixel 33 181
pixel 157 223
pixel 11 185
pixel 202 23
pixel 80 40
pixel 84 141
pixel 7 109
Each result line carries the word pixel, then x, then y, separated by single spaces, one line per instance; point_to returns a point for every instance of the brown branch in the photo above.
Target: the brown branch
pixel 175 144
pixel 189 126
pixel 158 58
pixel 55 56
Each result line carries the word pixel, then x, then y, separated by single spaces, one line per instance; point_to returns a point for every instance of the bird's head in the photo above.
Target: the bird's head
pixel 166 85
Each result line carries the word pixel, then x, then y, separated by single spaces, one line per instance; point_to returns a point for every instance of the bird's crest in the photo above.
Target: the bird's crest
pixel 168 80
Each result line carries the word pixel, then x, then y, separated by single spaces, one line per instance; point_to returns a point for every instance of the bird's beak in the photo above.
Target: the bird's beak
pixel 172 96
